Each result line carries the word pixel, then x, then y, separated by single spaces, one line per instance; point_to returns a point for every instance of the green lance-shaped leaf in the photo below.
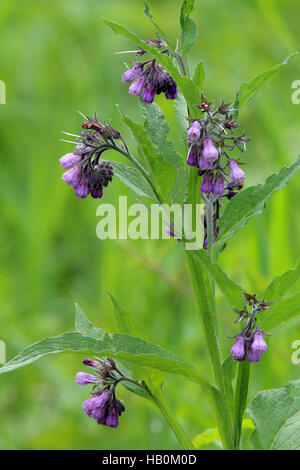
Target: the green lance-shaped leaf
pixel 84 326
pixel 199 76
pixel 157 28
pixel 181 114
pixel 158 129
pixel 163 172
pixel 251 88
pixel 280 284
pixel 190 92
pixel 122 347
pixel 134 180
pixel 126 324
pixel 251 201
pixel 232 291
pixel 276 416
pixel 189 31
pixel 281 313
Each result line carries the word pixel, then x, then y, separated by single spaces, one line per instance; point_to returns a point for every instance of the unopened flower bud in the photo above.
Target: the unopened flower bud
pixel 171 92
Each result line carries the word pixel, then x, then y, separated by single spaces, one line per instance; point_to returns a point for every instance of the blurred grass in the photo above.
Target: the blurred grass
pixel 57 57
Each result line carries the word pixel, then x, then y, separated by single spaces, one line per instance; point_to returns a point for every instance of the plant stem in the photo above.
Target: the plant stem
pixel 241 393
pixel 203 296
pixel 159 399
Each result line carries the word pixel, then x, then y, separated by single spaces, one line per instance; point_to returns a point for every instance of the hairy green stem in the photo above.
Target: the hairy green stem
pixel 241 393
pixel 159 399
pixel 203 296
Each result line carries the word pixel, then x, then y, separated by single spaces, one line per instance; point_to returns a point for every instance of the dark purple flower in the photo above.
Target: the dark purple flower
pixel 82 190
pixel 69 160
pixel 137 86
pixel 237 175
pixel 218 186
pixel 192 158
pixel 209 151
pixel 194 131
pixel 171 92
pixel 148 94
pixel 82 378
pixel 112 419
pixel 253 356
pixel 258 344
pixel 72 176
pixel 91 363
pixel 238 349
pixel 97 193
pixel 206 185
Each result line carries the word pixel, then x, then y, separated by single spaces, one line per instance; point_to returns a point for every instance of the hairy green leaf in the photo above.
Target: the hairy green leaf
pixel 127 325
pixel 199 75
pixel 276 416
pixel 252 200
pixel 251 88
pixel 133 179
pixel 157 28
pixel 209 436
pixel 189 31
pixel 232 291
pixel 157 129
pixel 281 313
pixel 280 284
pixel 84 326
pixel 163 172
pixel 123 347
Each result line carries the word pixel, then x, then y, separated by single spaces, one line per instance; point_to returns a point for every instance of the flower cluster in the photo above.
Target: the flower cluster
pixel 86 172
pixel 103 406
pixel 210 140
pixel 149 78
pixel 251 338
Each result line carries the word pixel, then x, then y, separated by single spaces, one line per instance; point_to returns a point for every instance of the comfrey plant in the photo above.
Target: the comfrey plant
pixel 210 169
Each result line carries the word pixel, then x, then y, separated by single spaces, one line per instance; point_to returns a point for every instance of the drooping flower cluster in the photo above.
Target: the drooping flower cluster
pixel 149 78
pixel 251 339
pixel 86 172
pixel 211 138
pixel 103 406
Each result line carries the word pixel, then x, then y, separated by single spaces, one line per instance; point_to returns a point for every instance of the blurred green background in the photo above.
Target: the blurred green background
pixel 57 58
